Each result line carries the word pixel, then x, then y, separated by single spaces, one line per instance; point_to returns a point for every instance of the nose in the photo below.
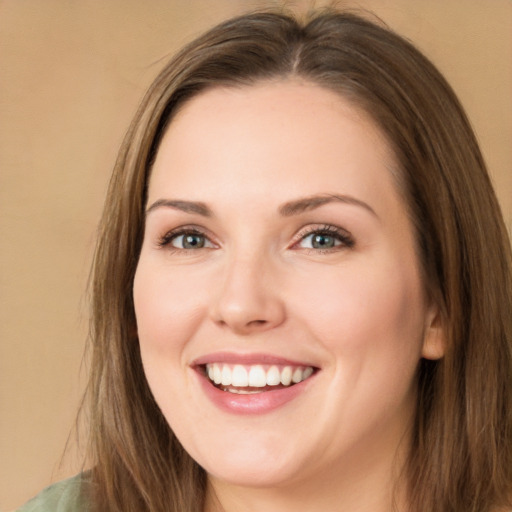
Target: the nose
pixel 248 299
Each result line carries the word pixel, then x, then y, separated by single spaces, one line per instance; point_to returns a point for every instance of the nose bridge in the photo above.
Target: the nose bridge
pixel 248 299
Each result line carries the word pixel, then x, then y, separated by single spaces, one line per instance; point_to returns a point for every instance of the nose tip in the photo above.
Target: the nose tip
pixel 243 322
pixel 248 301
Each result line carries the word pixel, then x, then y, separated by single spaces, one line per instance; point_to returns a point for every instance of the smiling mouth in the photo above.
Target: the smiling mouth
pixel 258 378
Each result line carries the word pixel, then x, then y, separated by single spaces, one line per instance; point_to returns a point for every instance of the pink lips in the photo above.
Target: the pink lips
pixel 230 357
pixel 258 403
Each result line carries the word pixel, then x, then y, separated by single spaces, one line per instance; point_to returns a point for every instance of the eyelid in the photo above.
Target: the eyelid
pixel 342 235
pixel 165 240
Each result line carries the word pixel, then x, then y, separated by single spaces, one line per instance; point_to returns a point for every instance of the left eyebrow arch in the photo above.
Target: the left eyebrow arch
pixel 311 202
pixel 185 206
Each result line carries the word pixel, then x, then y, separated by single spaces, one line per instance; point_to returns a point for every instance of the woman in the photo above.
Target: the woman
pixel 302 286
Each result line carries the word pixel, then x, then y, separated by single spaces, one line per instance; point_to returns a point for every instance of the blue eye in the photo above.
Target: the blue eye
pixel 186 239
pixel 326 239
pixel 189 241
pixel 319 241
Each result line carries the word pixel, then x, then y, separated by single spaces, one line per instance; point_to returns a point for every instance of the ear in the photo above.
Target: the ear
pixel 434 340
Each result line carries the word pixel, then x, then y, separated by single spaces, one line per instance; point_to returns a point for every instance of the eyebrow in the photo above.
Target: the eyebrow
pixel 288 209
pixel 310 203
pixel 184 206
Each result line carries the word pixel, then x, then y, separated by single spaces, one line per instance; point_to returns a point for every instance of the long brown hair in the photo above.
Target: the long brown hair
pixel 461 456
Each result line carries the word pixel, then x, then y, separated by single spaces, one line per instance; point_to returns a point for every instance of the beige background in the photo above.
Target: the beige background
pixel 71 75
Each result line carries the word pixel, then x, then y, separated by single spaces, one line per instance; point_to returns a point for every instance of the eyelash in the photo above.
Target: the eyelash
pixel 340 235
pixel 166 240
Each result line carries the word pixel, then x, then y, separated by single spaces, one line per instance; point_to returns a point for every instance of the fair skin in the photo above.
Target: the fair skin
pixel 241 267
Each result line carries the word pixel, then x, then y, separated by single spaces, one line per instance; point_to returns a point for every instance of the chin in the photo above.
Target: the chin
pixel 253 466
pixel 256 475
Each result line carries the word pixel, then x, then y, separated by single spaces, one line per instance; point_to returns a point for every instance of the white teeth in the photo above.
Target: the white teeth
pixel 297 376
pixel 286 376
pixel 307 373
pixel 273 376
pixel 257 377
pixel 217 375
pixel 241 391
pixel 239 376
pixel 226 376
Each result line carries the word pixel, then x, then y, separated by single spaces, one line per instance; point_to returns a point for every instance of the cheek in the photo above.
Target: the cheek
pixel 370 321
pixel 367 311
pixel 168 307
pixel 166 319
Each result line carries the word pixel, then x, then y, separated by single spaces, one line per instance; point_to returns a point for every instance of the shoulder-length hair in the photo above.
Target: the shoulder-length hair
pixel 461 454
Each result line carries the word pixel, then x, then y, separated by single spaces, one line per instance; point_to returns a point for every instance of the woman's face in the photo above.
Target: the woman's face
pixel 277 250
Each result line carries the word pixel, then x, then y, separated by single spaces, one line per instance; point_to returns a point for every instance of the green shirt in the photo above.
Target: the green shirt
pixel 65 496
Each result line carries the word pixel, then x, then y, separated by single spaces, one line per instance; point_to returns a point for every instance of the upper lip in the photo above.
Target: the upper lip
pixel 247 359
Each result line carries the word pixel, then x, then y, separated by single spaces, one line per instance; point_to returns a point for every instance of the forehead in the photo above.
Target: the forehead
pixel 298 134
pixel 281 104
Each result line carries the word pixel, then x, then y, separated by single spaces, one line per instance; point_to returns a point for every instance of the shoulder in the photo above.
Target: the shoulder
pixel 65 496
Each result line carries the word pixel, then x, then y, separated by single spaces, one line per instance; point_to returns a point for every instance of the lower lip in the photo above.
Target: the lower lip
pixel 257 403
